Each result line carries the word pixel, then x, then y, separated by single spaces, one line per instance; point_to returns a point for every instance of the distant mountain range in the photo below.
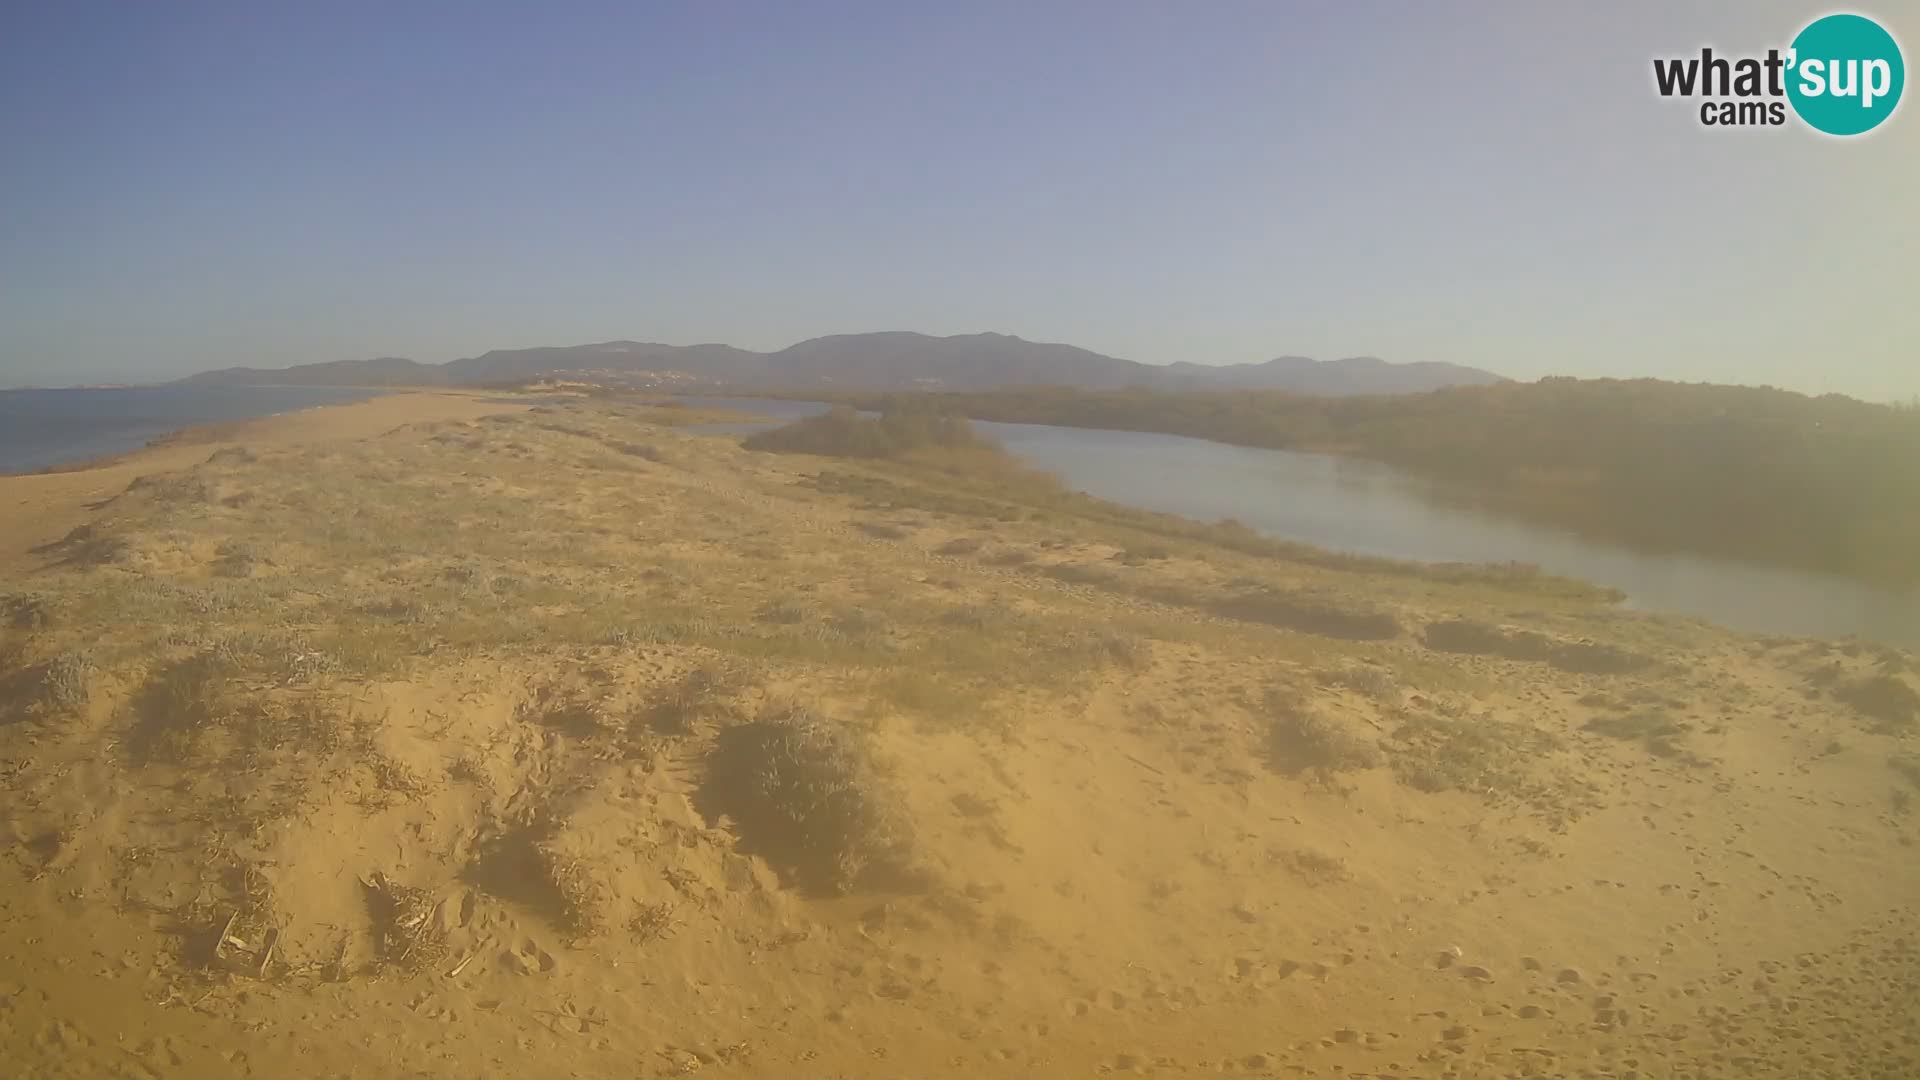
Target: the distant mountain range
pixel 893 360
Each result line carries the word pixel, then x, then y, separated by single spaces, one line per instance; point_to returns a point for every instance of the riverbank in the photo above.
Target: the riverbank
pixel 501 738
pixel 1352 510
pixel 1828 485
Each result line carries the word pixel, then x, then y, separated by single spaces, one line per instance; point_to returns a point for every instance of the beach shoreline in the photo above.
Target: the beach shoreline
pixel 43 505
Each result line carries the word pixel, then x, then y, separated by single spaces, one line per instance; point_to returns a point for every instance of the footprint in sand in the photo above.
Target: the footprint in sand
pixel 529 959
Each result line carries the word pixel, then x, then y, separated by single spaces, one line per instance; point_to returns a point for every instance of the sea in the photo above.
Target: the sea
pixel 44 428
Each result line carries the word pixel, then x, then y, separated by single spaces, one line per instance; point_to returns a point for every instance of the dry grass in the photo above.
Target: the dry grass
pixel 1302 737
pixel 1486 756
pixel 67 682
pixel 1576 657
pixel 1659 732
pixel 1907 766
pixel 698 699
pixel 803 795
pixel 1890 701
pixel 1365 679
pixel 406 931
pixel 176 708
pixel 1313 867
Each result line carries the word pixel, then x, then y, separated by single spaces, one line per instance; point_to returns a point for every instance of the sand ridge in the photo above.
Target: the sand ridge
pixel 437 712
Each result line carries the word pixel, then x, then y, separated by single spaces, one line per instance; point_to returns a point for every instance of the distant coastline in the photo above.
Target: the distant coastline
pixel 73 428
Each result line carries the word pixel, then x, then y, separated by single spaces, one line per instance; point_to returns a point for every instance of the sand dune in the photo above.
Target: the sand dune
pixel 420 737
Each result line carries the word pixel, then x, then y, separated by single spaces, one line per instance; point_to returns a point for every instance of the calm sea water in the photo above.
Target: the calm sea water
pixel 1349 505
pixel 39 428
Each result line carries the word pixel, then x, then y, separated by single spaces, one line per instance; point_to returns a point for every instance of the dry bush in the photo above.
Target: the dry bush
pixel 565 713
pixel 1433 753
pixel 653 922
pixel 1889 700
pixel 1082 574
pixel 25 611
pixel 639 450
pixel 176 707
pixel 1309 615
pixel 803 795
pixel 1106 647
pixel 68 680
pixel 1575 657
pixel 1300 737
pixel 275 729
pixel 696 698
pixel 232 455
pixel 88 545
pixel 1372 682
pixel 1313 867
pixel 1908 766
pixel 960 545
pixel 1659 732
pixel 237 558
pixel 184 489
pixel 785 612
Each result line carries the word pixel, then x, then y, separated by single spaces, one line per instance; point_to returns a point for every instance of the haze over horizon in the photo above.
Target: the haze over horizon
pixel 221 185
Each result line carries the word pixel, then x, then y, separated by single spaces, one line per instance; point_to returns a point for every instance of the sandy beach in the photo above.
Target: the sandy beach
pixel 43 506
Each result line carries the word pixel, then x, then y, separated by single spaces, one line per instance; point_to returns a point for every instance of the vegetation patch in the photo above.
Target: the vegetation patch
pixel 1908 766
pixel 1659 733
pixel 68 680
pixel 88 545
pixel 176 708
pixel 1890 701
pixel 700 697
pixel 1576 657
pixel 1364 679
pixel 25 611
pixel 845 433
pixel 803 795
pixel 1302 737
pixel 1308 615
pixel 1313 867
pixel 1476 754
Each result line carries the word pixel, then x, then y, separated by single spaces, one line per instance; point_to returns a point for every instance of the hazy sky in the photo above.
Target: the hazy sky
pixel 190 186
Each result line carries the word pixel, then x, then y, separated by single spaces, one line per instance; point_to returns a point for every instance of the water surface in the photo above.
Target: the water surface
pixel 39 428
pixel 1344 504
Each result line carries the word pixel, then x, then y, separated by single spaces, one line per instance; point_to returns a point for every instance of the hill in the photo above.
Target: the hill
pixel 384 371
pixel 1329 378
pixel 891 360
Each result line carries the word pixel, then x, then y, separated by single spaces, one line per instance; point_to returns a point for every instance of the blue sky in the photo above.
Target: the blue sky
pixel 185 186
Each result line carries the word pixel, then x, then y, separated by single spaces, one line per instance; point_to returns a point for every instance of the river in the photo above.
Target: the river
pixel 1344 504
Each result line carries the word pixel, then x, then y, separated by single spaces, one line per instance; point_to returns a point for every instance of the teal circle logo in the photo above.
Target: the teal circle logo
pixel 1845 74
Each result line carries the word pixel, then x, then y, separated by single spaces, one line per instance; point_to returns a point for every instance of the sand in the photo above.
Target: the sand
pixel 41 507
pixel 432 697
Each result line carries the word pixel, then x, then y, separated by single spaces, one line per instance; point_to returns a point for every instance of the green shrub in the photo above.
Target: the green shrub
pixel 845 433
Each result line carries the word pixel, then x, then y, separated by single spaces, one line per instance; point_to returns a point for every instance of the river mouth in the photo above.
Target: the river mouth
pixel 1366 508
